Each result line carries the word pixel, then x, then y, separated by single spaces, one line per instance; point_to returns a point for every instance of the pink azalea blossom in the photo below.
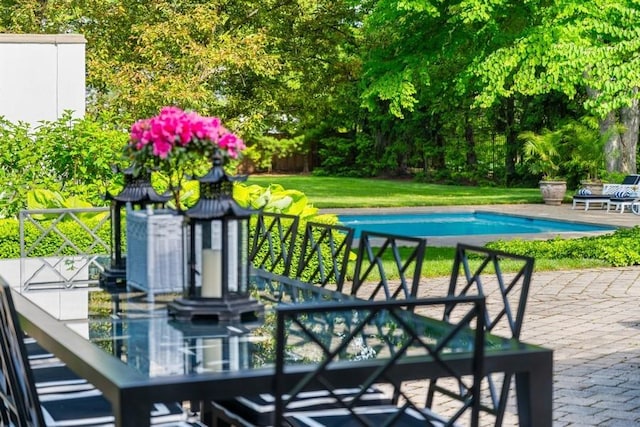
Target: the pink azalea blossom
pixel 173 127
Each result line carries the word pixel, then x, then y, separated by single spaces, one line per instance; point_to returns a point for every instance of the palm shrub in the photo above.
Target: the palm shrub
pixel 543 152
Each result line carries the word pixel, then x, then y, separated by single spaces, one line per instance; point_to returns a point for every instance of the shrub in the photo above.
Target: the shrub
pixel 618 249
pixel 52 243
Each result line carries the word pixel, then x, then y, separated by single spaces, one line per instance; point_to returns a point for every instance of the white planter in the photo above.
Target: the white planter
pixel 155 251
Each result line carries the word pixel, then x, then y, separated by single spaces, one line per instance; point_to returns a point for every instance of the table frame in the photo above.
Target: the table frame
pixel 132 394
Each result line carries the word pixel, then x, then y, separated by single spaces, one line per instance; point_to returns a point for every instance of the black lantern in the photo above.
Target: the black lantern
pixel 139 192
pixel 217 254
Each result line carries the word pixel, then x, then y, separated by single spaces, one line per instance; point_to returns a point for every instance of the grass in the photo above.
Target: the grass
pixel 331 192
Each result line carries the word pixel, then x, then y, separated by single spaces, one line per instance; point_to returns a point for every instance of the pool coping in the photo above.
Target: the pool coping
pixel 563 212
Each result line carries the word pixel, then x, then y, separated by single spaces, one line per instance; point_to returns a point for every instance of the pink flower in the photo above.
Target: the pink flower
pixel 173 127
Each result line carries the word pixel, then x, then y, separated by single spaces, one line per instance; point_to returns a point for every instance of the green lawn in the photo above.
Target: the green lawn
pixel 330 192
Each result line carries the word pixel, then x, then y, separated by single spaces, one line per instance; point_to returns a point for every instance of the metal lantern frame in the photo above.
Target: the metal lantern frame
pixel 216 232
pixel 139 193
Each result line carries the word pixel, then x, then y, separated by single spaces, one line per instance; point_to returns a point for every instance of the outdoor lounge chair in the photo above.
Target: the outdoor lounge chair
pixel 587 199
pixel 620 203
pixel 609 192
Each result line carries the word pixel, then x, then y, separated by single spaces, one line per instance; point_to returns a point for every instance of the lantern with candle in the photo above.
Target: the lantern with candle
pixel 217 264
pixel 139 193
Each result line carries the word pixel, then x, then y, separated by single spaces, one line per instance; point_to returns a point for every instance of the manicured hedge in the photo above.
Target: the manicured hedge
pixel 53 242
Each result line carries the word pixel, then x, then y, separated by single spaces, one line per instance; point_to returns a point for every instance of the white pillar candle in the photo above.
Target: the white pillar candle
pixel 232 256
pixel 212 354
pixel 211 273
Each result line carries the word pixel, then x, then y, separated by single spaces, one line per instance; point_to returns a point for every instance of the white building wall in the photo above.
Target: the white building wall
pixel 41 76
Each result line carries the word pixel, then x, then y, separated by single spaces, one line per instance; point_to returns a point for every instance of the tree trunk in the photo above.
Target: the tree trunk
pixel 438 159
pixel 612 150
pixel 629 117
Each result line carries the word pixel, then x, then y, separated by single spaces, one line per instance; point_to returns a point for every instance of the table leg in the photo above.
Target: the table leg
pixel 534 391
pixel 132 414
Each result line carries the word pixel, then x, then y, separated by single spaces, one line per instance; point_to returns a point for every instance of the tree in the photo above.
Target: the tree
pixel 260 65
pixel 581 49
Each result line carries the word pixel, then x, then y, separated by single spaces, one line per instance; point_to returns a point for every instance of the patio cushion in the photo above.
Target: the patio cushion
pixel 58 378
pixel 375 415
pixel 91 408
pixel 258 410
pixel 624 194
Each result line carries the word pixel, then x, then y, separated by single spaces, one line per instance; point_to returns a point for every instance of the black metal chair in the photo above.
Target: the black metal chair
pixel 299 337
pixel 273 242
pixel 405 256
pixel 20 403
pixel 479 270
pixel 324 254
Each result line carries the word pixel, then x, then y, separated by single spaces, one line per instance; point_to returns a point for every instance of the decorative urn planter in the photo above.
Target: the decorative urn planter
pixel 594 186
pixel 553 191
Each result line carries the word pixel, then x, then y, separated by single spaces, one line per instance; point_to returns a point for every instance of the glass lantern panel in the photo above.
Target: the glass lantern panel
pixel 237 255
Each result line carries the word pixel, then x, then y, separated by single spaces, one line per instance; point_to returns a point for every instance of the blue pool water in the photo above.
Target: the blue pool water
pixel 461 224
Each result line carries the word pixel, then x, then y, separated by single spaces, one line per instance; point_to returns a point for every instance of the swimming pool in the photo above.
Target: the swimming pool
pixel 461 224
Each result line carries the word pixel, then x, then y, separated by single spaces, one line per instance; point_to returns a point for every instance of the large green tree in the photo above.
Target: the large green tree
pixel 589 50
pixel 446 56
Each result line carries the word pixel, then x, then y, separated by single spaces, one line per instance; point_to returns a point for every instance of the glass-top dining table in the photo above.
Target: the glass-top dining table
pixel 129 347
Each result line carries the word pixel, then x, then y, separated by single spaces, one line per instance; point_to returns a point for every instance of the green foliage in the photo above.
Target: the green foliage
pixel 262 149
pixel 619 249
pixel 543 152
pixel 339 155
pixel 72 157
pixel 366 89
pixel 52 243
pixel 576 149
pixel 81 152
pixel 275 199
pixel 587 146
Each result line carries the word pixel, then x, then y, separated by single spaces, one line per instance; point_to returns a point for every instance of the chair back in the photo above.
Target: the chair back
pixel 19 403
pixel 480 271
pixel 273 242
pixel 633 179
pixel 324 254
pixel 382 255
pixel 321 347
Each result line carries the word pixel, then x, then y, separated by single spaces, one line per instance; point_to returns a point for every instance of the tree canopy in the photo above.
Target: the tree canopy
pixel 369 87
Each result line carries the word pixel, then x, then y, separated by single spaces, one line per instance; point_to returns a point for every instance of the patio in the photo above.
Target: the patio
pixel 590 318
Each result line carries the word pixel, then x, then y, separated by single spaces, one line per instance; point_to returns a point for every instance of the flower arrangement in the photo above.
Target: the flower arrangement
pixel 175 132
pixel 176 142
